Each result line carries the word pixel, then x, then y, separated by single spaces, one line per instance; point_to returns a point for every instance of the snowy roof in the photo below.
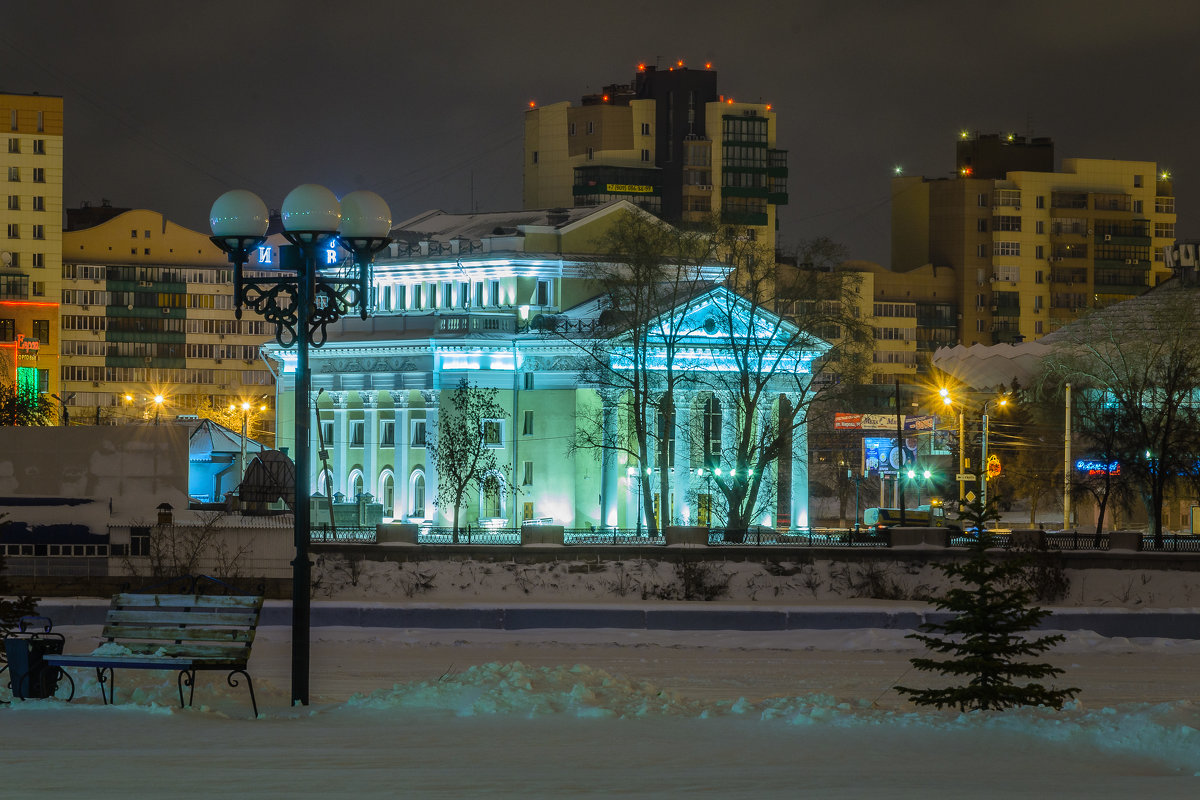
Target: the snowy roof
pixel 443 226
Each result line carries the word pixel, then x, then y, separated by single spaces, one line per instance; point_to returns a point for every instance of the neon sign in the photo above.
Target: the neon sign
pixel 1098 467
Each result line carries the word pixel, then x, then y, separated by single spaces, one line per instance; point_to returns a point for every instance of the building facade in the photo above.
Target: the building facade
pixel 667 142
pixel 507 301
pixel 31 247
pixel 1029 247
pixel 147 312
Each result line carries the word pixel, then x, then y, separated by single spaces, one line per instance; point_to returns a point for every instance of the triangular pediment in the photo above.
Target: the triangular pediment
pixel 710 325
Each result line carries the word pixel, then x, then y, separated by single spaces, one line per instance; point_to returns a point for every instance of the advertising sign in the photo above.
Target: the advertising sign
pixel 883 456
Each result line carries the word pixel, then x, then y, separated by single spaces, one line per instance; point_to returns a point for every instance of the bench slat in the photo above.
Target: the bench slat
pixel 202 617
pixel 191 652
pixel 187 601
pixel 188 634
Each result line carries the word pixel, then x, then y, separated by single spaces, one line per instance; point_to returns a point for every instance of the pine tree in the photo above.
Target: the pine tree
pixel 986 639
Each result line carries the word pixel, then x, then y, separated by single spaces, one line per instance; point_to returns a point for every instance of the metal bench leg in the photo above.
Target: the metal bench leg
pixel 110 680
pixel 249 685
pixel 187 677
pixel 62 673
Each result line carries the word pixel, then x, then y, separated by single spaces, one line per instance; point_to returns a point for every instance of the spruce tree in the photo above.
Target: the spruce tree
pixel 986 639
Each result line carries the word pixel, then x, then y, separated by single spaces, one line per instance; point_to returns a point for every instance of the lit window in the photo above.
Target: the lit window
pixel 493 433
pixel 39 146
pixel 356 433
pixel 387 433
pixel 418 433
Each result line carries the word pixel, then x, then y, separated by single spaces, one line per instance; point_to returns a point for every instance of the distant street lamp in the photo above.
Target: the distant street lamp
pixel 301 305
pixel 949 401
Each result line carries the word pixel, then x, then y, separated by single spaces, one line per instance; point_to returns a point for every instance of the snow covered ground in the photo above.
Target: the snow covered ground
pixel 557 713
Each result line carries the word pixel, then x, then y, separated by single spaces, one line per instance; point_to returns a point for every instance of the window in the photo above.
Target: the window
pixel 41 330
pixel 39 203
pixel 418 433
pixel 527 473
pixel 479 295
pixel 1007 223
pixel 645 129
pixel 535 156
pixel 712 431
pixel 356 485
pixel 570 129
pixel 1041 201
pixel 417 291
pixel 645 154
pixel 1137 181
pixel 14 202
pixel 982 200
pixel 1039 251
pixel 1037 276
pixel 492 497
pixel 981 250
pixel 981 225
pixel 38 289
pixel 464 295
pixel 1040 226
pixel 1137 206
pixel 14 230
pixel 493 433
pixel 326 433
pixel 356 432
pixel 542 298
pixel 41 121
pixel 1164 230
pixel 39 231
pixel 1037 327
pixel 39 259
pixel 14 174
pixel 1037 302
pixel 387 494
pixel 387 433
pixel 527 425
pixel 1164 205
pixel 493 293
pixel 14 144
pixel 1006 248
pixel 590 153
pixel 417 495
pixel 39 175
pixel 8 330
pixel 133 234
pixel 447 295
pixel 1008 273
pixel 591 128
pixel 39 146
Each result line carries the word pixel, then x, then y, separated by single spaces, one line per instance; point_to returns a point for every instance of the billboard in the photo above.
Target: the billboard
pixel 881 455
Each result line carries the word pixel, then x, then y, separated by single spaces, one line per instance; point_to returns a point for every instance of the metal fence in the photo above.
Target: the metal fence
pixel 754 537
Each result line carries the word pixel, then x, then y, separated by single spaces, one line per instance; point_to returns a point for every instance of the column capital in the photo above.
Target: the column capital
pixel 431 396
pixel 369 398
pixel 340 400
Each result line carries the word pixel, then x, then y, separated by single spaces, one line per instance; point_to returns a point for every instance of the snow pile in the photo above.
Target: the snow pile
pixel 1166 732
pixel 649 579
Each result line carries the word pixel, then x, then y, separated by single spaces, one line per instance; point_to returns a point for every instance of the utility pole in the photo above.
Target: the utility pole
pixel 1067 461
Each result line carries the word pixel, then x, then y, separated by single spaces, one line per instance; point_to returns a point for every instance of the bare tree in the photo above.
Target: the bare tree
pixel 816 348
pixel 651 275
pixel 1141 362
pixel 463 450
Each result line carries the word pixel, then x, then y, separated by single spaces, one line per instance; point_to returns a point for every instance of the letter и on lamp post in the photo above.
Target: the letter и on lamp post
pixel 300 306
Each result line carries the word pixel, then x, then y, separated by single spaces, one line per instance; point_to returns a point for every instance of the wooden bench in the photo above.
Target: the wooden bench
pixel 183 632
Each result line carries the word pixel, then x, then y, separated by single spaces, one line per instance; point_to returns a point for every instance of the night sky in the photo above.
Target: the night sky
pixel 168 104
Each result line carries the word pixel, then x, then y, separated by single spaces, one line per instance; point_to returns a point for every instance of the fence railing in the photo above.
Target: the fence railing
pixel 753 537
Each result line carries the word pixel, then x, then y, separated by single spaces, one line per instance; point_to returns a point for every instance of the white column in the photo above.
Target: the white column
pixel 766 412
pixel 608 468
pixel 681 478
pixel 799 487
pixel 400 402
pixel 370 404
pixel 341 441
pixel 432 398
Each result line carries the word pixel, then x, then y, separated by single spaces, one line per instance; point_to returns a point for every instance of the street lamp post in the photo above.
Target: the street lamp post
pixel 983 478
pixel 301 306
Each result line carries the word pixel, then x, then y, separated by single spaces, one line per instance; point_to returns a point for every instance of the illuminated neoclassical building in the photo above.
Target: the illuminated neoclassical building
pixel 464 296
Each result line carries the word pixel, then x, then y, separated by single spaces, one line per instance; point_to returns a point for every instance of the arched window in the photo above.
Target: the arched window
pixel 387 493
pixel 324 482
pixel 356 485
pixel 416 494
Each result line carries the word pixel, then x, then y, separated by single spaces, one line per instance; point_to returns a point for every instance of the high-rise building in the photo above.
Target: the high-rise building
pixel 31 247
pixel 147 311
pixel 667 142
pixel 1030 247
